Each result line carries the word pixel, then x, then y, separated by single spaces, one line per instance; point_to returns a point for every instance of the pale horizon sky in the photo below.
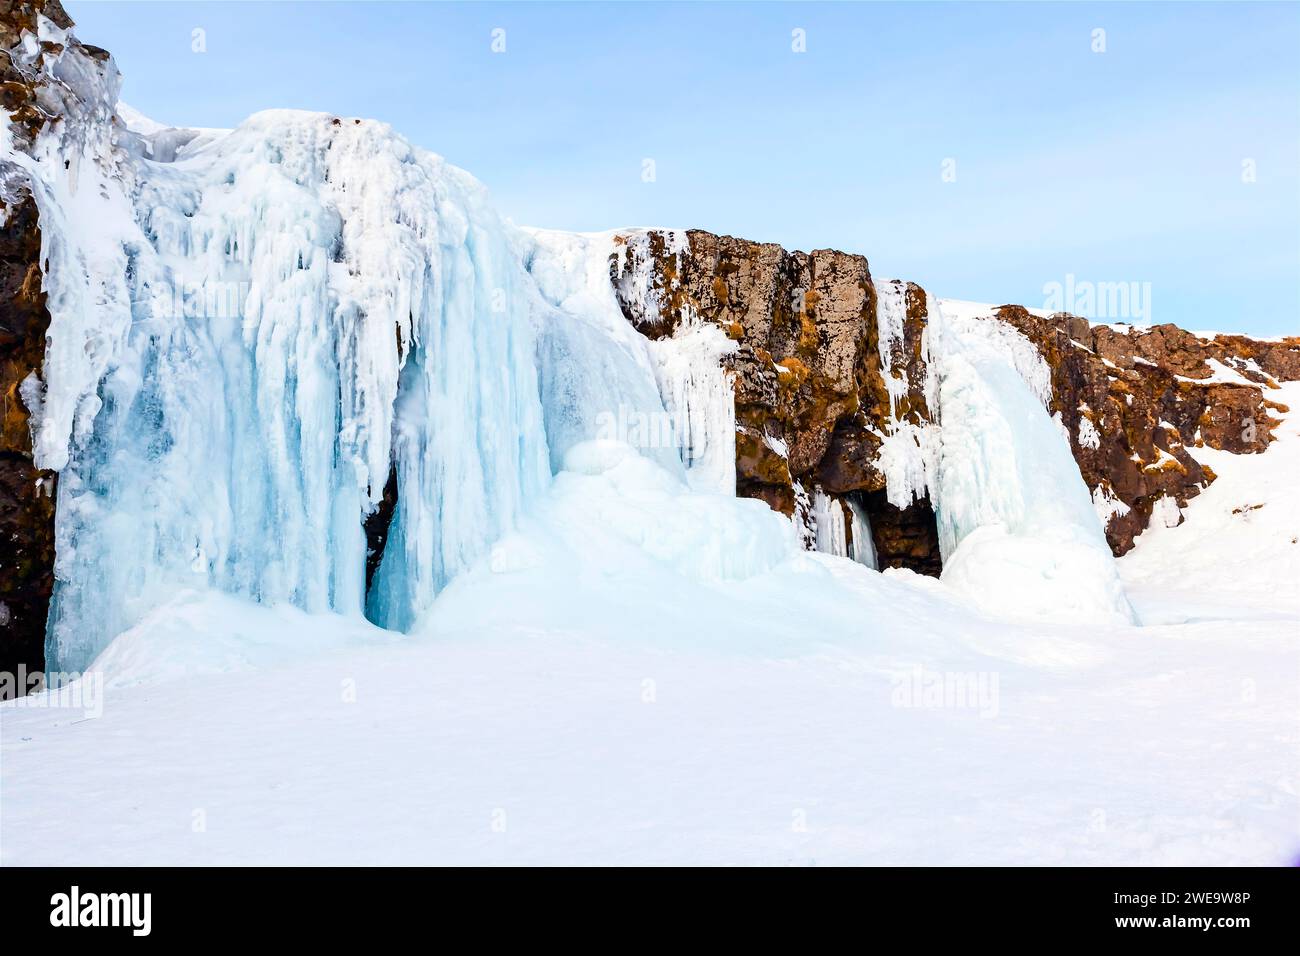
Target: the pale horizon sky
pixel 1170 161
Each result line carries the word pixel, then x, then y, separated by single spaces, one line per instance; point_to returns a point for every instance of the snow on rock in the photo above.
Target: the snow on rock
pixel 1106 504
pixel 1089 437
pixel 636 269
pixel 907 453
pixel 80 179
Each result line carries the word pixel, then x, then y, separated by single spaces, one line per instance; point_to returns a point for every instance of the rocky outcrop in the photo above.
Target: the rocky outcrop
pixel 26 493
pixel 817 395
pixel 1134 401
pixel 812 381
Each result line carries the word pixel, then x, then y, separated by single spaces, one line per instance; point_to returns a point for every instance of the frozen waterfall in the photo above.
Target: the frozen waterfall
pixel 260 338
pixel 1017 528
pixel 311 303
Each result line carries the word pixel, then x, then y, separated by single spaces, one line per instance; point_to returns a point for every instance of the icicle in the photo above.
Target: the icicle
pixel 698 395
pixel 828 522
pixel 864 546
pixel 907 453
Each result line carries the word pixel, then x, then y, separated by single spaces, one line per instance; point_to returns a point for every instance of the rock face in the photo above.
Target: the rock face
pixel 812 382
pixel 1134 401
pixel 816 394
pixel 26 493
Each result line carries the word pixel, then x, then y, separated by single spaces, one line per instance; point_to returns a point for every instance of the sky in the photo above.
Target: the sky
pixel 999 152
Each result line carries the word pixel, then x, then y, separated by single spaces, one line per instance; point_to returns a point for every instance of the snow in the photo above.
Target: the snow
pixel 961 310
pixel 1018 531
pixel 1106 504
pixel 596 691
pixel 1237 543
pixel 1089 437
pixel 1220 374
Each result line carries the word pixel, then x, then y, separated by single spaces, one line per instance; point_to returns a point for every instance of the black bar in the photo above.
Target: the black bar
pixel 866 905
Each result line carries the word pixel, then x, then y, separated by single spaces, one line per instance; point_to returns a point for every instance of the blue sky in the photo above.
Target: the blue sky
pixel 1122 166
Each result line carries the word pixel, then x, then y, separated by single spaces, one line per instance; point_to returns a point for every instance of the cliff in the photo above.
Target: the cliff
pixel 832 362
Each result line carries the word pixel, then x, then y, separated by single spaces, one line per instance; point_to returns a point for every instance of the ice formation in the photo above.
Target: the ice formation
pixel 260 336
pixel 254 332
pixel 863 548
pixel 829 525
pixel 1018 530
pixel 700 401
pixel 907 454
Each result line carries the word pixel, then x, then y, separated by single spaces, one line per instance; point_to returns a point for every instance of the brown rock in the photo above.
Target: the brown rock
pixel 26 494
pixel 807 373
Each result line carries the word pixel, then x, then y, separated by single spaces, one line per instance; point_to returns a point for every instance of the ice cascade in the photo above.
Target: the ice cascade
pixel 310 305
pixel 1018 530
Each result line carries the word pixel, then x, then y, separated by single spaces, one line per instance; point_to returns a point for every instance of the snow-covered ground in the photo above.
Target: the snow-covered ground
pixel 1238 546
pixel 605 688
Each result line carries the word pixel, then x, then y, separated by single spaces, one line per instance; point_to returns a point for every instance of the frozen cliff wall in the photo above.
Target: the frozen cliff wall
pixel 835 386
pixel 888 433
pixel 246 342
pixel 300 361
pixel 303 361
pixel 825 401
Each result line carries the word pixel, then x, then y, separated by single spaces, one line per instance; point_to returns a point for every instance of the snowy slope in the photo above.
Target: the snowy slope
pixel 1238 543
pixel 590 697
pixel 618 681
